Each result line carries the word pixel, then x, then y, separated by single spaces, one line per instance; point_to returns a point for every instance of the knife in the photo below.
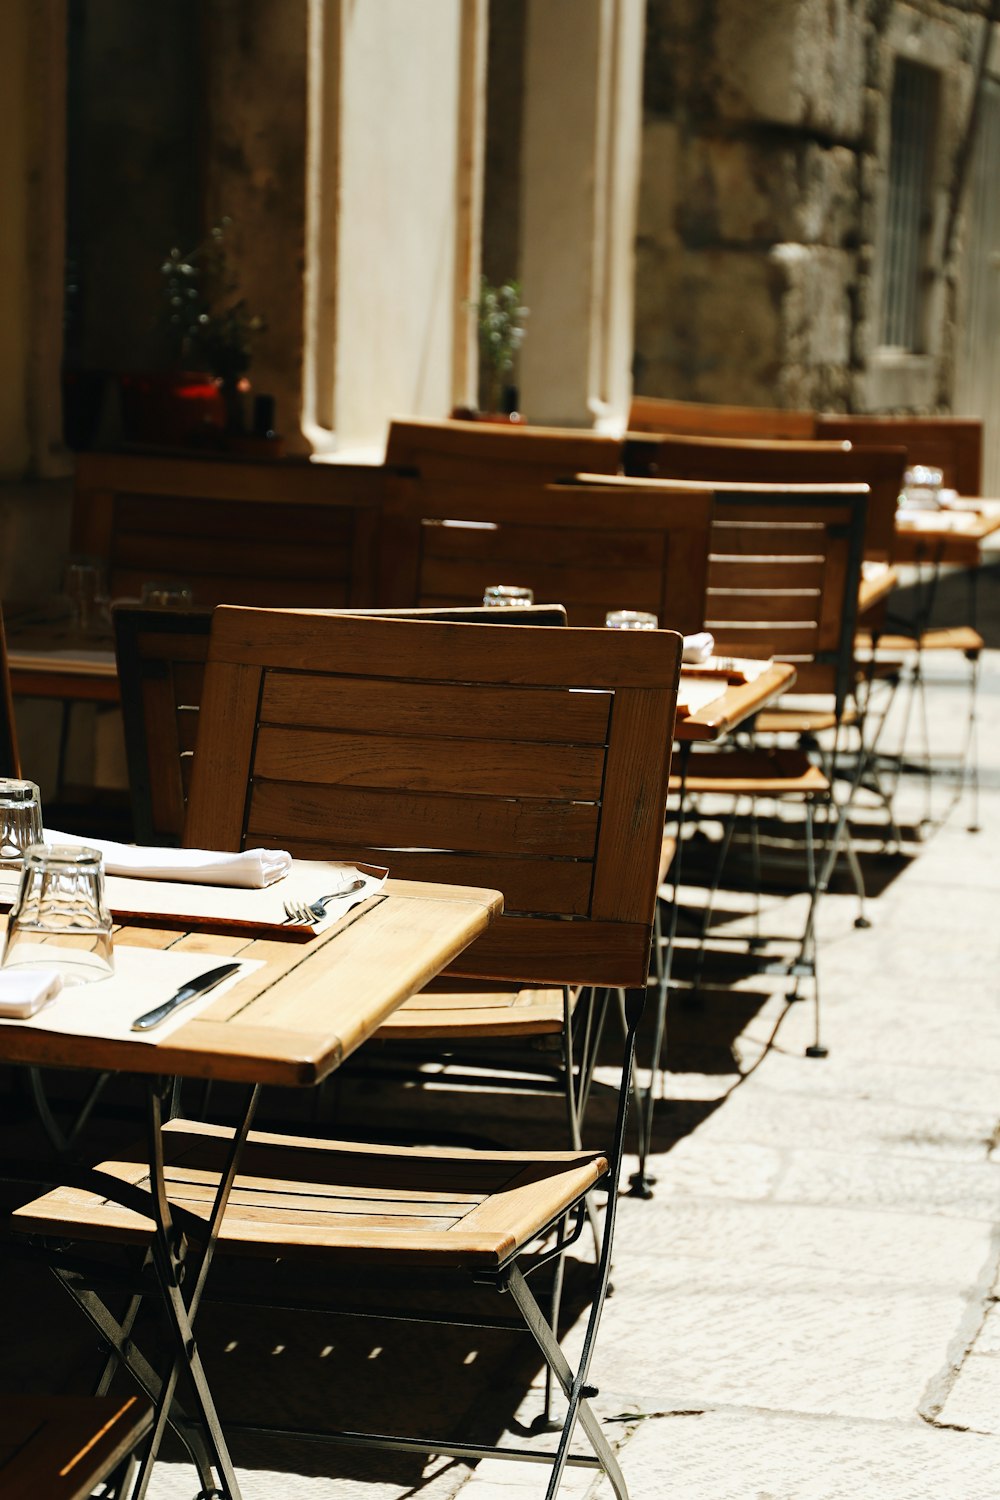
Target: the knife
pixel 186 993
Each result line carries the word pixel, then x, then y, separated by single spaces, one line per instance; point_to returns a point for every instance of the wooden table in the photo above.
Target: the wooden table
pixel 737 703
pixel 290 1022
pixel 953 536
pixel 49 659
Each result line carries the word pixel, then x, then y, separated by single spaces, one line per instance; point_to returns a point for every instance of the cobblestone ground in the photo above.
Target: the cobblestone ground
pixel 809 1307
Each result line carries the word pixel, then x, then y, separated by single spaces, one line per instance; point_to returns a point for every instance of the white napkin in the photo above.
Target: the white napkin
pixel 698 648
pixel 252 869
pixel 24 991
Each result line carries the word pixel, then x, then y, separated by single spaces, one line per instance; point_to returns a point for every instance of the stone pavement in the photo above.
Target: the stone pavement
pixel 809 1307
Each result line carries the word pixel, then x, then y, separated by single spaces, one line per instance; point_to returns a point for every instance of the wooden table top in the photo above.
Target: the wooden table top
pixel 61 1447
pixel 878 579
pixel 952 535
pixel 737 703
pixel 48 658
pixel 293 1021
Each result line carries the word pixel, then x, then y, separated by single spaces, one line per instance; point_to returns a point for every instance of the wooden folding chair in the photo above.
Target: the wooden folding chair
pixel 708 419
pixel 595 545
pixel 161 667
pixel 454 452
pixel 783 583
pixel 759 461
pixel 63 1447
pixel 538 756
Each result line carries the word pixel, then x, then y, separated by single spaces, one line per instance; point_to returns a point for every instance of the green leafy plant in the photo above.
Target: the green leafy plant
pixel 215 329
pixel 500 322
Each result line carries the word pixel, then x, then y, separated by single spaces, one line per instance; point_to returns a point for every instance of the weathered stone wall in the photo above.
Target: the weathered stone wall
pixel 765 154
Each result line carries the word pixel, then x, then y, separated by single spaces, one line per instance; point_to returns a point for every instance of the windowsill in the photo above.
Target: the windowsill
pixel 899 378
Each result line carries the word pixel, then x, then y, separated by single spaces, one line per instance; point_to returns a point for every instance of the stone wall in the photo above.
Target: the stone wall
pixel 765 154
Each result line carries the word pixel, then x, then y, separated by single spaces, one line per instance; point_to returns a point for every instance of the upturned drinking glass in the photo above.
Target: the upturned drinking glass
pixel 59 919
pixel 630 619
pixel 20 819
pixel 506 596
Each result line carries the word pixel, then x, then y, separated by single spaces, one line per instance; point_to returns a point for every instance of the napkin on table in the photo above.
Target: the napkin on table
pixel 698 648
pixel 252 869
pixel 25 991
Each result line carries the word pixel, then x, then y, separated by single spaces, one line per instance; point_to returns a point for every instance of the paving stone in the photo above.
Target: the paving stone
pixel 974 1399
pixel 733 1456
pixel 967 1190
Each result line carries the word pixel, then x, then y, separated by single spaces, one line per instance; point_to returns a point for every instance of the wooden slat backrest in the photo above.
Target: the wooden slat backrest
pixel 484 451
pixel 952 444
pixel 592 545
pixel 531 760
pixel 161 666
pixel 10 759
pixel 257 533
pixel 706 419
pixel 783 581
pixel 762 462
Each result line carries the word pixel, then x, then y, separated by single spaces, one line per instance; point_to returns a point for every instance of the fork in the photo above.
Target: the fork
pixel 315 911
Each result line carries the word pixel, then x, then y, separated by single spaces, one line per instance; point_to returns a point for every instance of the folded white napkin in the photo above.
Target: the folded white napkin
pixel 24 991
pixel 252 869
pixel 698 648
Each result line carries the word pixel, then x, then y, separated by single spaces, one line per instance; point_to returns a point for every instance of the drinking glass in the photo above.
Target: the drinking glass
pixel 506 596
pixel 20 820
pixel 84 583
pixel 169 595
pixel 630 619
pixel 922 487
pixel 59 919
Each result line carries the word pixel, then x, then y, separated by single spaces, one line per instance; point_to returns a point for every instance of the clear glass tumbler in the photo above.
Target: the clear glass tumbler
pixel 20 820
pixel 630 619
pixel 168 595
pixel 506 596
pixel 59 919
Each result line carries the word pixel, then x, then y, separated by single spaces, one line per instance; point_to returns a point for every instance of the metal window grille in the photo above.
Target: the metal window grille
pixel 912 123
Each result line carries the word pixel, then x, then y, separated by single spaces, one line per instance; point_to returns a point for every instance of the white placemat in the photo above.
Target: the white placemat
pixel 692 697
pixel 143 978
pixel 264 907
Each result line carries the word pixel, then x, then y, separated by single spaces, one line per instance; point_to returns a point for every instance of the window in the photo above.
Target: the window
pixel 908 209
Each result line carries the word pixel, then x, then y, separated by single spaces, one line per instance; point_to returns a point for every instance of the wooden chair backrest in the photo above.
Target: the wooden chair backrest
pixel 592 545
pixel 760 462
pixel 783 580
pixel 532 761
pixel 10 759
pixel 161 667
pixel 952 444
pixel 482 452
pixel 706 419
pixel 273 533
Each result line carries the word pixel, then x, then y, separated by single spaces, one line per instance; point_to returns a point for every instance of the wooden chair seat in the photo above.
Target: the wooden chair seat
pixel 802 720
pixel 468 1011
pixel 462 1010
pixel 758 773
pixel 62 1447
pixel 295 1196
pixel 952 638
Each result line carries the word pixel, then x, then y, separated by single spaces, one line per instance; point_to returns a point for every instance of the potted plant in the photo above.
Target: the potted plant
pixel 500 324
pixel 215 329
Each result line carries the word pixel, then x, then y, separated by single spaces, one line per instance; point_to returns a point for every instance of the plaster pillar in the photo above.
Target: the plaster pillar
pixel 394 202
pixel 580 170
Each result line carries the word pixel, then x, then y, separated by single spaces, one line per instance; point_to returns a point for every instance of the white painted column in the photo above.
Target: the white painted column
pixel 395 184
pixel 580 170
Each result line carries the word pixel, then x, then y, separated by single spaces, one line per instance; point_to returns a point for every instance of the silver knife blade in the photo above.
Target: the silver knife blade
pixel 186 993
